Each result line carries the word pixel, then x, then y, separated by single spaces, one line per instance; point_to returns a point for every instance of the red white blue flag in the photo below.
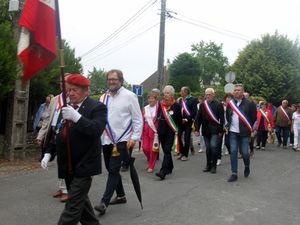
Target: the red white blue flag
pixel 37 44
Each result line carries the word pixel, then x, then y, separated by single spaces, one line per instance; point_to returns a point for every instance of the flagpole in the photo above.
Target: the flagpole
pixel 62 75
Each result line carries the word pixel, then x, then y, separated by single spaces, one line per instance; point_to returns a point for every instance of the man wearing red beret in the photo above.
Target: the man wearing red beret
pixel 88 120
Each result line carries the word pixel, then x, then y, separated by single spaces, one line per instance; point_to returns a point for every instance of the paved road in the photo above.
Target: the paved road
pixel 270 196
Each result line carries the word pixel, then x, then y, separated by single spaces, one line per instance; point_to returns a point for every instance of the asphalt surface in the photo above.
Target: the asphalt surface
pixel 270 196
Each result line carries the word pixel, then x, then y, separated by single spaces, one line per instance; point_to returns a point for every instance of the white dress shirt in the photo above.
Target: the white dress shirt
pixel 235 123
pixel 122 109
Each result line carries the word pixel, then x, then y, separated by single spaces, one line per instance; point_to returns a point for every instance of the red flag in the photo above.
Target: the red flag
pixel 37 44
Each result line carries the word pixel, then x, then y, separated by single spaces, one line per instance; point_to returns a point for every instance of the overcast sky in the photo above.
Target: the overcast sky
pixel 134 50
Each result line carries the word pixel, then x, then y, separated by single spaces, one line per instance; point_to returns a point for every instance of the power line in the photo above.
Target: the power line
pixel 122 27
pixel 118 47
pixel 116 42
pixel 210 25
pixel 213 28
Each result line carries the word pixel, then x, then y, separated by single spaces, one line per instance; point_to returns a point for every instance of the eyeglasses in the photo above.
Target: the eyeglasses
pixel 112 79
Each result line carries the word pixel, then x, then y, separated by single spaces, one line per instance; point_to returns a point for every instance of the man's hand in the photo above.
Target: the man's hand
pixel 184 121
pixel 38 142
pixel 131 143
pixel 69 113
pixel 45 160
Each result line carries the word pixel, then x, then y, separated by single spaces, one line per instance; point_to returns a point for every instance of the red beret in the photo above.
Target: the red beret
pixel 78 80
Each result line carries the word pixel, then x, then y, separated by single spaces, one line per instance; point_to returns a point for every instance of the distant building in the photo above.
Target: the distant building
pixel 152 81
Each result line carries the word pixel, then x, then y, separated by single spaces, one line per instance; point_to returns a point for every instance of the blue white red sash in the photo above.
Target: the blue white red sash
pixel 240 114
pixel 284 113
pixel 108 129
pixel 210 113
pixel 184 108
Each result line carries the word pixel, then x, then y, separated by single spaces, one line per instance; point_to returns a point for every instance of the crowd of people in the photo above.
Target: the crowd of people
pixel 79 130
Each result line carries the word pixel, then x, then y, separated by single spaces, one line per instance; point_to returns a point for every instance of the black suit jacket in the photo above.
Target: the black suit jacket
pixel 191 104
pixel 85 141
pixel 250 112
pixel 163 127
pixel 208 125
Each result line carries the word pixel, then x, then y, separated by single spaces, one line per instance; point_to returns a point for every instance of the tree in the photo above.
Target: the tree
pixel 185 71
pixel 270 67
pixel 8 53
pixel 212 62
pixel 8 59
pixel 98 81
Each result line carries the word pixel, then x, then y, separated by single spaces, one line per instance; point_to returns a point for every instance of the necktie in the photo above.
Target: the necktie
pixel 75 106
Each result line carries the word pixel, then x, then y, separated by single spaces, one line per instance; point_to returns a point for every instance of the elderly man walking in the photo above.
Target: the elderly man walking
pixel 211 117
pixel 80 159
pixel 283 121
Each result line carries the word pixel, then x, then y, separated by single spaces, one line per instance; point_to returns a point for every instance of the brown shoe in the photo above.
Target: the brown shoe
pixel 57 194
pixel 64 197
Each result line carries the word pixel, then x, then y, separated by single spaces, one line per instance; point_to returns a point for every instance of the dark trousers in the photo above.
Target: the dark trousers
pixel 262 136
pixel 211 143
pixel 226 142
pixel 78 208
pixel 185 144
pixel 219 146
pixel 291 138
pixel 125 160
pixel 282 134
pixel 113 165
pixel 166 144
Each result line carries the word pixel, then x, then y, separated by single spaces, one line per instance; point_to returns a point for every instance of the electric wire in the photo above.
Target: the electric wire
pixel 122 27
pixel 213 26
pixel 118 47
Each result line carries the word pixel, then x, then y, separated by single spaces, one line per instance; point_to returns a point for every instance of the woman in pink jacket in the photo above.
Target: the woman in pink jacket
pixel 264 125
pixel 150 142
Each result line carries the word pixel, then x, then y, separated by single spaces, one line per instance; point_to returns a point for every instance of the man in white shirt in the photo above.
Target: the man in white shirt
pixel 124 128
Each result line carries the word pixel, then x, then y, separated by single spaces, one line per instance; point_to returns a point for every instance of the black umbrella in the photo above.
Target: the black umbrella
pixel 135 177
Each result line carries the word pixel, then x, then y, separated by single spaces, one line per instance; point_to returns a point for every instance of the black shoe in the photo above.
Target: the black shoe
pixel 278 145
pixel 284 147
pixel 160 175
pixel 207 169
pixel 246 171
pixel 124 168
pixel 232 178
pixel 100 208
pixel 118 200
pixel 213 170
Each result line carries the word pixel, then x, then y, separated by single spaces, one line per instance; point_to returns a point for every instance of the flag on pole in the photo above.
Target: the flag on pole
pixel 37 44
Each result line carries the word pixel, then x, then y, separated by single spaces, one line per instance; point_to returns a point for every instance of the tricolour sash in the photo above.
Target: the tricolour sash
pixel 240 114
pixel 173 127
pixel 284 113
pixel 265 115
pixel 108 130
pixel 210 113
pixel 184 108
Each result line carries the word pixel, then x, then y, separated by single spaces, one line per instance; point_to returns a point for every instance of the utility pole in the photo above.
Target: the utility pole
pixel 161 50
